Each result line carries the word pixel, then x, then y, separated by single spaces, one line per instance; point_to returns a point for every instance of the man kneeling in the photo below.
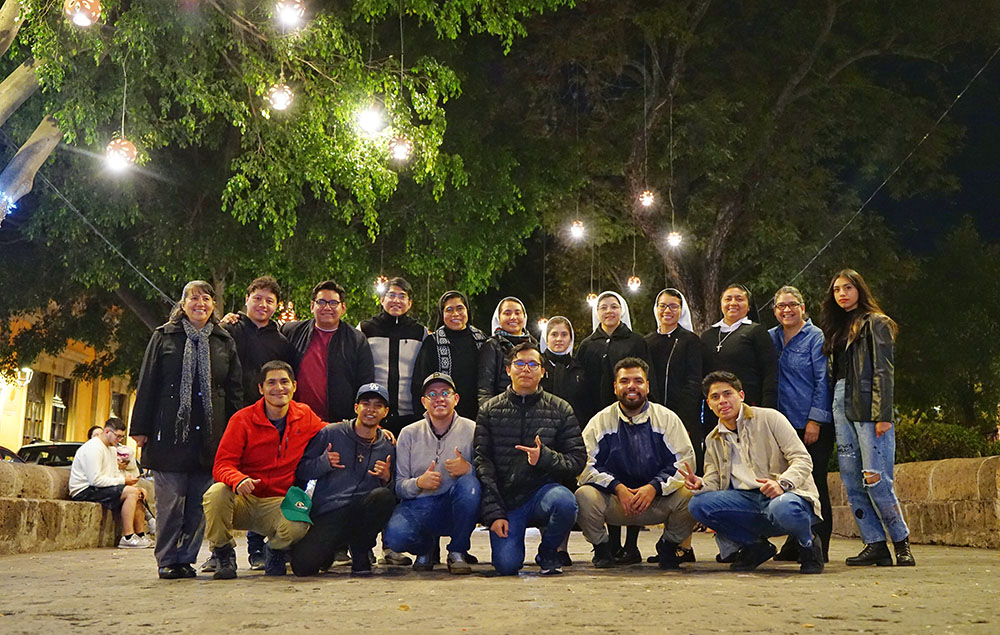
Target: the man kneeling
pixel 255 466
pixel 631 478
pixel 758 479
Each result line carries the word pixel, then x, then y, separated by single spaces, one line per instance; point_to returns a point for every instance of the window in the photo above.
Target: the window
pixel 61 395
pixel 119 406
pixel 34 408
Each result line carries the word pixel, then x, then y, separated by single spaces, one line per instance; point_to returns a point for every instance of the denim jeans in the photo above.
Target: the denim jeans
pixel 417 523
pixel 859 452
pixel 553 509
pixel 749 516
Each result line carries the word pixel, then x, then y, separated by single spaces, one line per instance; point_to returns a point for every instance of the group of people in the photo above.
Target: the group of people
pixel 316 436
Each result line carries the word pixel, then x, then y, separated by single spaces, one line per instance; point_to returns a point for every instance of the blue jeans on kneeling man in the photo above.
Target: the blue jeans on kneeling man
pixel 749 516
pixel 417 523
pixel 552 508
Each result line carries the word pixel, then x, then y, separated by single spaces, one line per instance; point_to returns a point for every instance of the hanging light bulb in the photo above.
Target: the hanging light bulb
pixel 646 198
pixel 289 12
pixel 634 283
pixel 592 299
pixel 381 284
pixel 542 322
pixel 280 96
pixel 82 12
pixel 370 121
pixel 577 230
pixel 674 239
pixel 286 313
pixel 400 148
pixel 120 154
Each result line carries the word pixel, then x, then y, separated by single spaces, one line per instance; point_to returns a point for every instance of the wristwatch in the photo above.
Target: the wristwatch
pixel 786 485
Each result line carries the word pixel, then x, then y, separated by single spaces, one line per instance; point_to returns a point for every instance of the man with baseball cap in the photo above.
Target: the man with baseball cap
pixel 352 465
pixel 437 485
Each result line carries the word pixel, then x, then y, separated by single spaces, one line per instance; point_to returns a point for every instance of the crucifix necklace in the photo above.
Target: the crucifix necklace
pixel 723 339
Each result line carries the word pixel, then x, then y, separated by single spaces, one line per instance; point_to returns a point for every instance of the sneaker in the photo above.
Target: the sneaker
pixel 628 556
pixel 811 559
pixel 904 557
pixel 226 559
pixel 210 565
pixel 548 562
pixel 274 561
pixel 565 559
pixel 395 559
pixel 424 562
pixel 135 542
pixel 257 560
pixel 145 542
pixel 667 552
pixel 789 551
pixel 603 559
pixel 457 564
pixel 341 558
pixel 751 556
pixel 876 553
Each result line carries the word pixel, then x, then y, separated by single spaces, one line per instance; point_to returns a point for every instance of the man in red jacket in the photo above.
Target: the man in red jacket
pixel 254 467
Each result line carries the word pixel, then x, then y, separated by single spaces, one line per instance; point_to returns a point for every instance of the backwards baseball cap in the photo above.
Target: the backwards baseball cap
pixel 296 505
pixel 372 389
pixel 433 377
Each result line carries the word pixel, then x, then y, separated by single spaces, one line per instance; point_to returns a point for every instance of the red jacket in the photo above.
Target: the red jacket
pixel 250 448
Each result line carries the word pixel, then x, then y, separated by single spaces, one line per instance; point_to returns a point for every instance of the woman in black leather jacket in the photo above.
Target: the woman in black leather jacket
pixel 859 343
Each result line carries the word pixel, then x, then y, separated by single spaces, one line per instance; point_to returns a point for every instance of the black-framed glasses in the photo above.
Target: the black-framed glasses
pixel 521 364
pixel 781 306
pixel 392 295
pixel 671 307
pixel 333 304
pixel 434 394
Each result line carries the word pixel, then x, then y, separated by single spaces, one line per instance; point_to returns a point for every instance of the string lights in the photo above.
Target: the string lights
pixel 577 230
pixel 82 12
pixel 286 313
pixel 280 96
pixel 121 153
pixel 634 282
pixel 381 284
pixel 400 148
pixel 289 12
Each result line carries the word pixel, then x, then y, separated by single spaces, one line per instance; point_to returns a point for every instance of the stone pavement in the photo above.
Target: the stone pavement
pixel 952 589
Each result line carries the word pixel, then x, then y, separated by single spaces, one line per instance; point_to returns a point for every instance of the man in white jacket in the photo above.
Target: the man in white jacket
pixel 95 477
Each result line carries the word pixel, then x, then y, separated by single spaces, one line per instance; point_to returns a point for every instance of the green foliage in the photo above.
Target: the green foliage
pixel 925 439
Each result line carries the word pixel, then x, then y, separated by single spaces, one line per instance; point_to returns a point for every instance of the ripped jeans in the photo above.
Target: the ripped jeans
pixel 860 454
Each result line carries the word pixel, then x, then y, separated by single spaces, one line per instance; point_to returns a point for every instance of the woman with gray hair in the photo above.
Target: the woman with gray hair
pixel 190 385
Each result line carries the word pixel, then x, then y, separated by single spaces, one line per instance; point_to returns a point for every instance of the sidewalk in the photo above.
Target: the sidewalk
pixel 117 591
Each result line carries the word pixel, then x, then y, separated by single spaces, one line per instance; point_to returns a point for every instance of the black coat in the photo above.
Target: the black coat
pixel 256 346
pixel 464 369
pixel 749 354
pixel 508 419
pixel 599 353
pixel 349 364
pixel 565 378
pixel 677 363
pixel 158 398
pixel 493 377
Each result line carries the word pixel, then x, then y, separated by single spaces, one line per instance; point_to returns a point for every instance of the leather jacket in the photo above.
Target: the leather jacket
pixel 869 388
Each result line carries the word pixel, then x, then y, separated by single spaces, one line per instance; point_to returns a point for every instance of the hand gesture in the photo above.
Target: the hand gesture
pixel 429 480
pixel 333 457
pixel 230 318
pixel 691 480
pixel 457 466
pixel 812 433
pixel 770 488
pixel 533 451
pixel 383 469
pixel 499 527
pixel 247 486
pixel 882 427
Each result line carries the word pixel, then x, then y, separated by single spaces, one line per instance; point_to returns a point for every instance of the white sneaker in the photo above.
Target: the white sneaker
pixel 135 542
pixel 145 542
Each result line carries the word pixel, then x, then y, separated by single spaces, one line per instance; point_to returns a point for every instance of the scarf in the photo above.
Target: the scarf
pixel 196 361
pixel 444 346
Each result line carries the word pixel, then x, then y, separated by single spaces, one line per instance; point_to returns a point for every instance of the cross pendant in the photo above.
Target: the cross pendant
pixel 718 348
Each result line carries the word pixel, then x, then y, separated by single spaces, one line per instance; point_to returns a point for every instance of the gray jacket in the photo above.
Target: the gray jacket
pixel 417 446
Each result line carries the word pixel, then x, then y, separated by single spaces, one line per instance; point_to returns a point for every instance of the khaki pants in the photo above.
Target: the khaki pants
pixel 225 510
pixel 598 509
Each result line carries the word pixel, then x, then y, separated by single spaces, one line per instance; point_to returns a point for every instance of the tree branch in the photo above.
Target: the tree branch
pixel 17 87
pixel 11 18
pixel 18 177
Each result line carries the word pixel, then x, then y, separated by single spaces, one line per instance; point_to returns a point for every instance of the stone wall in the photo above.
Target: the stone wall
pixel 36 515
pixel 949 502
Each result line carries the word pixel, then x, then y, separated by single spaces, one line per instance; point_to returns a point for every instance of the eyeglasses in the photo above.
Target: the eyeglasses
pixel 333 304
pixel 787 305
pixel 668 307
pixel 434 394
pixel 395 296
pixel 521 364
pixel 454 309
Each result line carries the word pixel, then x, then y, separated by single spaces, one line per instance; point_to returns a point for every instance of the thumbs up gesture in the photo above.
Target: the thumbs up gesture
pixel 429 480
pixel 533 451
pixel 457 466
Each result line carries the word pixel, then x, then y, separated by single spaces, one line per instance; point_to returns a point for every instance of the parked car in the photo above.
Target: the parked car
pixel 9 456
pixel 55 454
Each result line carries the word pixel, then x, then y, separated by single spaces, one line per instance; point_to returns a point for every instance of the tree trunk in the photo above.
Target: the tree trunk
pixel 151 314
pixel 17 87
pixel 11 18
pixel 18 177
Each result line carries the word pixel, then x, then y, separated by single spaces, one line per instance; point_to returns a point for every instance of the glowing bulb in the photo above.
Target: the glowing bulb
pixel 289 12
pixel 83 12
pixel 381 284
pixel 286 313
pixel 576 230
pixel 542 322
pixel 400 148
pixel 370 121
pixel 634 283
pixel 646 198
pixel 120 154
pixel 592 299
pixel 674 239
pixel 280 96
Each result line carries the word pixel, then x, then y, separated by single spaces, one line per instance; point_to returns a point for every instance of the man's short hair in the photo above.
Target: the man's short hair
pixel 267 283
pixel 720 377
pixel 329 285
pixel 116 423
pixel 403 284
pixel 90 433
pixel 523 346
pixel 274 364
pixel 631 362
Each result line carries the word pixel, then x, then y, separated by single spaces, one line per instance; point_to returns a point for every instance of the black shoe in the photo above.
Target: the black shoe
pixel 548 562
pixel 170 572
pixel 564 558
pixel 257 560
pixel 667 553
pixel 811 559
pixel 274 561
pixel 602 556
pixel 226 558
pixel 395 559
pixel 187 570
pixel 876 553
pixel 424 562
pixel 728 559
pixel 904 557
pixel 789 551
pixel 628 556
pixel 361 566
pixel 749 557
pixel 471 559
pixel 457 564
pixel 685 554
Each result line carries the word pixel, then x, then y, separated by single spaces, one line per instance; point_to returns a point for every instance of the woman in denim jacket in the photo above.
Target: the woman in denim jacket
pixel 859 340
